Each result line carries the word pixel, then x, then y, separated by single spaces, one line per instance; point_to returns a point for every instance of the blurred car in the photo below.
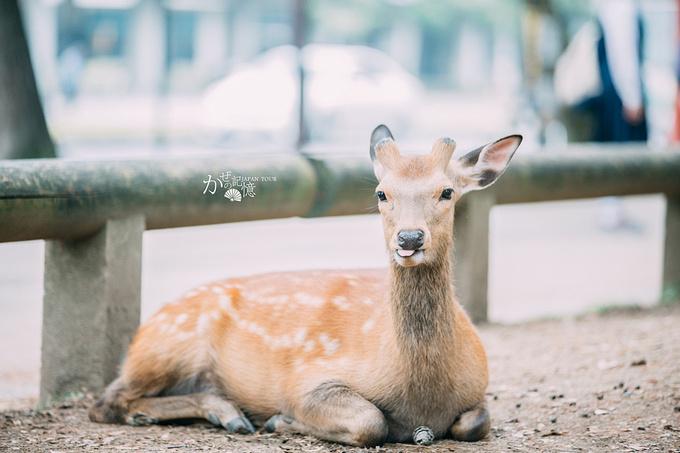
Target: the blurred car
pixel 348 90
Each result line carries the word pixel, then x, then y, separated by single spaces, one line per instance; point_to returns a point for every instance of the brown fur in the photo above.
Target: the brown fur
pixel 359 357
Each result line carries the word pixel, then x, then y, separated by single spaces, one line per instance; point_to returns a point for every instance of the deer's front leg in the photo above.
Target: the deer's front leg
pixel 472 425
pixel 334 412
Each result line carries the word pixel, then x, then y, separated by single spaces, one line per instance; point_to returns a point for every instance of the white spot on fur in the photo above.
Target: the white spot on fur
pixel 224 301
pixel 309 345
pixel 277 342
pixel 329 346
pixel 218 290
pixel 160 317
pixel 351 279
pixel 202 288
pixel 215 314
pixel 203 323
pixel 276 301
pixel 181 318
pixel 332 346
pixel 286 341
pixel 300 336
pixel 163 328
pixel 242 324
pixel 368 301
pixel 249 295
pixel 300 365
pixel 256 329
pixel 308 299
pixel 341 302
pixel 321 363
pixel 181 336
pixel 368 325
pixel 191 293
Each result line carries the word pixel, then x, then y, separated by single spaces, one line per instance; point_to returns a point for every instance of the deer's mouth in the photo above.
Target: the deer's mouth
pixel 408 257
pixel 406 253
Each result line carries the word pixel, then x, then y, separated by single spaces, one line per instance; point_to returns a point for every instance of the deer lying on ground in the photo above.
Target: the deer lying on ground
pixel 357 357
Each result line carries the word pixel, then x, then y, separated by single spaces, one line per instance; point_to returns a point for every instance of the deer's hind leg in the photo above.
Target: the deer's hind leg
pixel 472 425
pixel 113 404
pixel 334 412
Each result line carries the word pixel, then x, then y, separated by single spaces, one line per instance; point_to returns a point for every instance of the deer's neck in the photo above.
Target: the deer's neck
pixel 423 310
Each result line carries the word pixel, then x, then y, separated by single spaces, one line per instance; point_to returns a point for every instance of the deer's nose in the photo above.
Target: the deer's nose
pixel 411 239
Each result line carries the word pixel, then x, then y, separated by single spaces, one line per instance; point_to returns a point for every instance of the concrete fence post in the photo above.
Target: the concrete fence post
pixel 471 252
pixel 671 261
pixel 91 307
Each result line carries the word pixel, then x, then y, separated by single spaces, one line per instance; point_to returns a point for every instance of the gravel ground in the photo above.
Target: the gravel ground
pixel 605 382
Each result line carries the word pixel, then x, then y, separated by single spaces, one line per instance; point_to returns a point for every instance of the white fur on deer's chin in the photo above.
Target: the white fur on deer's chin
pixel 407 261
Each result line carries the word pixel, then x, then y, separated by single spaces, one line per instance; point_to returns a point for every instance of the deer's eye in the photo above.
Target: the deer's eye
pixel 381 195
pixel 446 194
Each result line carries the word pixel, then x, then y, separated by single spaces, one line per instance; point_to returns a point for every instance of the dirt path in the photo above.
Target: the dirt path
pixel 599 383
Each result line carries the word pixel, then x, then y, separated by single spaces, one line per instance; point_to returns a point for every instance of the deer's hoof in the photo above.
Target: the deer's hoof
pixel 272 423
pixel 141 419
pixel 238 425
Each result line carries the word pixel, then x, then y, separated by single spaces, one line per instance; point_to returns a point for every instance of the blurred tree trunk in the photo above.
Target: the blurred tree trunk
pixel 23 131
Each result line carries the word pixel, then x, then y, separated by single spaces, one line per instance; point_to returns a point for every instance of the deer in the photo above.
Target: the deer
pixel 358 357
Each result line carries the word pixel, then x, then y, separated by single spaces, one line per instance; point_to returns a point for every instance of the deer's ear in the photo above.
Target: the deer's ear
pixel 381 136
pixel 481 167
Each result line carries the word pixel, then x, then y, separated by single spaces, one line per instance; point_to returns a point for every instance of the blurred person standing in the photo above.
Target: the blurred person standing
pixel 615 103
pixel 598 79
pixel 619 110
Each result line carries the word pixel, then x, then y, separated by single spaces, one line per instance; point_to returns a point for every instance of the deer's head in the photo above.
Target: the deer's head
pixel 416 193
